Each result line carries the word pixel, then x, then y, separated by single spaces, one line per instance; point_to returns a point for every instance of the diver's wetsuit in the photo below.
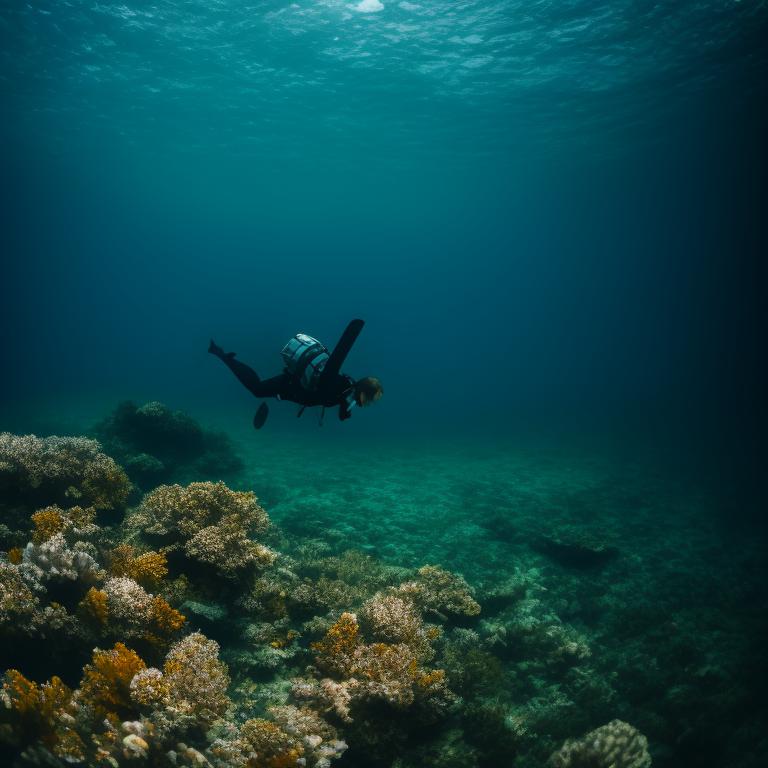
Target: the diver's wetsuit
pixel 336 388
pixel 333 388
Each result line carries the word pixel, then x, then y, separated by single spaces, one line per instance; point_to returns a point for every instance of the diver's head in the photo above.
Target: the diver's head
pixel 367 391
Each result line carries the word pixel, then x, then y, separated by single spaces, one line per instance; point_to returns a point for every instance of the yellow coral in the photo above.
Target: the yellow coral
pixel 94 606
pixel 431 678
pixel 15 555
pixel 150 688
pixel 119 559
pixel 41 709
pixel 106 681
pixel 52 520
pixel 166 619
pixel 341 638
pixel 70 746
pixel 197 680
pixel 148 569
pixel 23 694
pixel 48 522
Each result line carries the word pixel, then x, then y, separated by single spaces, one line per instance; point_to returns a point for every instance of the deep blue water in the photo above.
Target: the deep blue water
pixel 548 214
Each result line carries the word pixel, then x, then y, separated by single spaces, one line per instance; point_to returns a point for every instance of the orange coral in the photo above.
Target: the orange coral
pixel 341 638
pixel 166 619
pixel 15 555
pixel 431 678
pixel 148 569
pixel 41 710
pixel 48 522
pixel 94 606
pixel 106 681
pixel 70 746
pixel 24 694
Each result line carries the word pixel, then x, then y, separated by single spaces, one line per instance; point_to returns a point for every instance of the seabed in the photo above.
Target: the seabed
pixel 172 596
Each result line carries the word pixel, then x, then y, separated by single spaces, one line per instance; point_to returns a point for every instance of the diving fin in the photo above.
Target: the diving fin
pixel 261 416
pixel 341 350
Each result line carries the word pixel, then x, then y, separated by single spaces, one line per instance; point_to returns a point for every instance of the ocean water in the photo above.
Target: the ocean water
pixel 552 219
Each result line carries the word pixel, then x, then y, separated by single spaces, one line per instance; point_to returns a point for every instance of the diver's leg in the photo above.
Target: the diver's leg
pixel 246 375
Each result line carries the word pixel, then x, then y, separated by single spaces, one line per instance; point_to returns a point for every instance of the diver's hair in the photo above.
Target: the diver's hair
pixel 369 389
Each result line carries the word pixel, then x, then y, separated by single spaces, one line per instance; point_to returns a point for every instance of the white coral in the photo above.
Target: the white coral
pixel 54 560
pixel 128 601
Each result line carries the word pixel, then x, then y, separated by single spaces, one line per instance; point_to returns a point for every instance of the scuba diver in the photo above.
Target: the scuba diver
pixel 311 376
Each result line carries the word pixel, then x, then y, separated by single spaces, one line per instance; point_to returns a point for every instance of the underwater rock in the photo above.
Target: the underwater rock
pixel 504 595
pixel 209 617
pixel 574 548
pixel 145 470
pixel 501 527
pixel 158 445
pixel 208 611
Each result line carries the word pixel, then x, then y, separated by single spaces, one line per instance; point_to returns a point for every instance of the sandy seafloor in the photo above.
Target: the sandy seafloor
pixel 664 632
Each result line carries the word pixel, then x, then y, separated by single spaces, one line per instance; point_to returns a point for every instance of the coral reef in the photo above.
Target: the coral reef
pixel 440 592
pixel 147 568
pixel 189 692
pixel 615 745
pixel 105 687
pixel 158 445
pixel 122 598
pixel 37 472
pixel 194 632
pixel 55 560
pixel 130 611
pixel 210 522
pixel 42 715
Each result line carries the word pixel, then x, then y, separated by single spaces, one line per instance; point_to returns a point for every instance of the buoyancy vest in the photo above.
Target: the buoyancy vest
pixel 305 357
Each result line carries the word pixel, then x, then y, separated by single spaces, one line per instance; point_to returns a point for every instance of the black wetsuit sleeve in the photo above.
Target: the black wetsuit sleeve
pixel 344 412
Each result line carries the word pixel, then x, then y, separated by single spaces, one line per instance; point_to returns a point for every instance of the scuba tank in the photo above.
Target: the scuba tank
pixel 305 357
